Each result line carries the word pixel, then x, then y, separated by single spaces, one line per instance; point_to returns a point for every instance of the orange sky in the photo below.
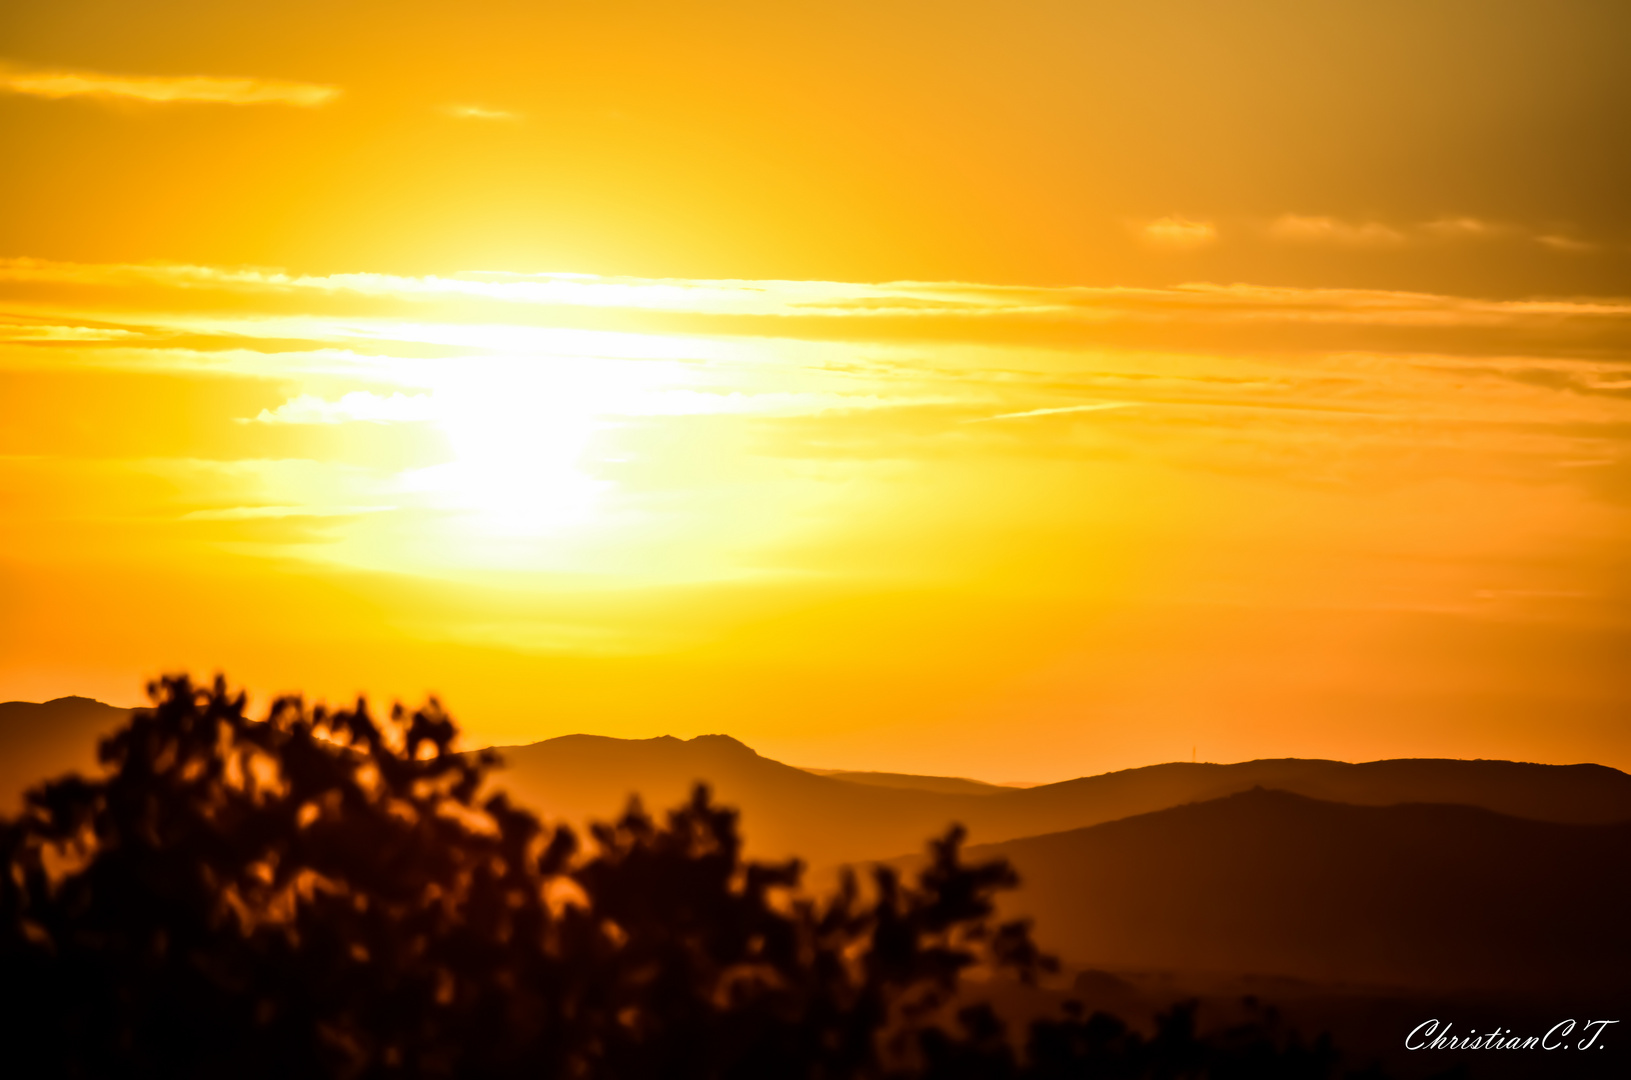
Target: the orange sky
pixel 1012 391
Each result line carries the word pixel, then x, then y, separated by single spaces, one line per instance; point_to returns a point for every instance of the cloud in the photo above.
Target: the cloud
pixel 479 112
pixel 258 513
pixel 166 89
pixel 1098 406
pixel 1298 228
pixel 358 405
pixel 1220 381
pixel 1463 228
pixel 1179 232
pixel 361 314
pixel 1328 230
pixel 17 331
pixel 1565 243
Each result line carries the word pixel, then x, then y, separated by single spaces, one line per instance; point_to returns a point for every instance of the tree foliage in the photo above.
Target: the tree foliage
pixel 323 893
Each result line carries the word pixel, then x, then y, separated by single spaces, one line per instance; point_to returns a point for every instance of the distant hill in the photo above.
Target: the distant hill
pixel 835 818
pixel 1577 794
pixel 41 741
pixel 785 811
pixel 1422 896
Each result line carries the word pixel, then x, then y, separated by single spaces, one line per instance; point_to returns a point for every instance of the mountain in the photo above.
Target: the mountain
pixel 1577 794
pixel 43 741
pixel 785 811
pixel 843 816
pixel 1422 896
pixel 836 818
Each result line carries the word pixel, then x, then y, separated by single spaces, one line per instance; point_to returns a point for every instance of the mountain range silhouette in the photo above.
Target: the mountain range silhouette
pixel 44 741
pixel 1420 873
pixel 833 819
pixel 1424 896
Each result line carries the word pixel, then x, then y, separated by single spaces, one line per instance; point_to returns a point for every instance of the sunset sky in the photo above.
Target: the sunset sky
pixel 1015 391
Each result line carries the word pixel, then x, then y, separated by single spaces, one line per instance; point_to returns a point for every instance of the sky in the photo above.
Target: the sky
pixel 1013 391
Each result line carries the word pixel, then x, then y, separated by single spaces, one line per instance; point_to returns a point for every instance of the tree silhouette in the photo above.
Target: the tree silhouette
pixel 325 894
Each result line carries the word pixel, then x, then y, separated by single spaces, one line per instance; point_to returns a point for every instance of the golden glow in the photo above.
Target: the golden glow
pixel 1011 392
pixel 671 501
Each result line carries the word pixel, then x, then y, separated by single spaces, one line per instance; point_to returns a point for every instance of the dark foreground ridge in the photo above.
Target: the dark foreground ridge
pixel 324 894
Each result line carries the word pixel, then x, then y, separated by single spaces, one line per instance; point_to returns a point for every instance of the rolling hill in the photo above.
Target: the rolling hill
pixel 41 741
pixel 1439 897
pixel 834 818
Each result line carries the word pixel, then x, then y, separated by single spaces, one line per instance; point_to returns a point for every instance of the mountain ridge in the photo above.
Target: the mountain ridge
pixel 43 740
pixel 832 817
pixel 1422 895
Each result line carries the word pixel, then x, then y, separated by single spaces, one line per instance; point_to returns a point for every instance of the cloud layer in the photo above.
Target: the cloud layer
pixel 937 499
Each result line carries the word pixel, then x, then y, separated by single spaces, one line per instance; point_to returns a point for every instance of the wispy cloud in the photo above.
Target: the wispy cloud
pixel 1454 229
pixel 1097 406
pixel 357 405
pixel 1329 230
pixel 1564 243
pixel 165 89
pixel 1178 232
pixel 1464 228
pixel 483 312
pixel 36 331
pixel 479 112
pixel 259 513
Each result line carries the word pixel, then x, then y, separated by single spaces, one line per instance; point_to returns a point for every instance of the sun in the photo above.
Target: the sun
pixel 519 428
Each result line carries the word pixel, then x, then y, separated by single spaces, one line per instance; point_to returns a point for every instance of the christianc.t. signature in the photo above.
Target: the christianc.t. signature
pixel 1563 1035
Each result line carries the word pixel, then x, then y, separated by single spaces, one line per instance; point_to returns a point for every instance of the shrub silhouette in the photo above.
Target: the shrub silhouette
pixel 326 894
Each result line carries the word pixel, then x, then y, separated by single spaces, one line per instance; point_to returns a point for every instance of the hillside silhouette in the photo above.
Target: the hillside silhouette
pixel 43 740
pixel 1427 897
pixel 326 894
pixel 834 819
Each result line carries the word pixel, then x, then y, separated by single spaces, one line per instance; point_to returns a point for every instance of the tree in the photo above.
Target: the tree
pixel 324 894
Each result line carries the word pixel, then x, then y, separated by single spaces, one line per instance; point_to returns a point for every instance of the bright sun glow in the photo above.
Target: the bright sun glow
pixel 519 428
pixel 787 476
